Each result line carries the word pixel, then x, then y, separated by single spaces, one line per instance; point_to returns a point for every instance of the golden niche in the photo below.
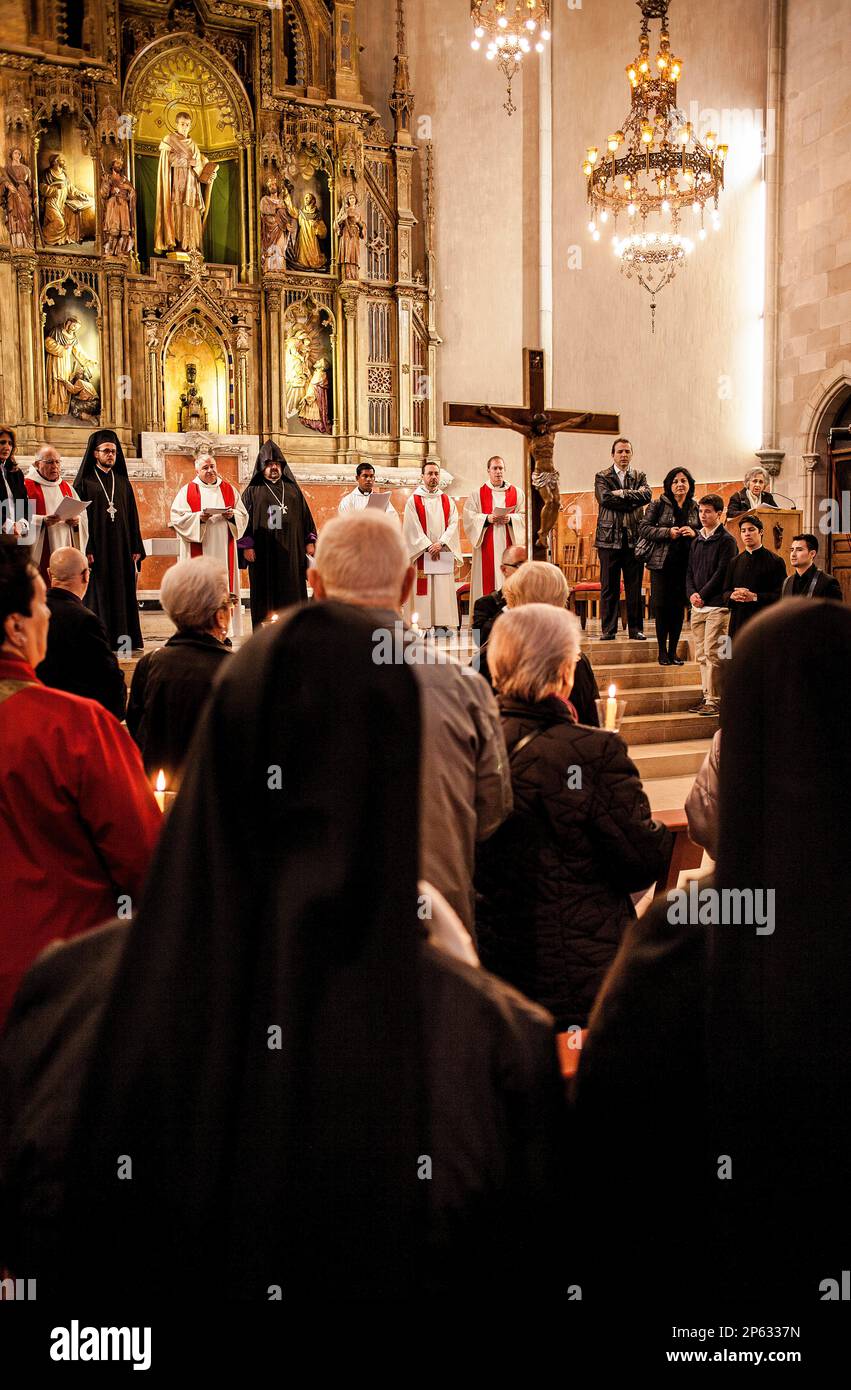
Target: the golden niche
pixel 196 380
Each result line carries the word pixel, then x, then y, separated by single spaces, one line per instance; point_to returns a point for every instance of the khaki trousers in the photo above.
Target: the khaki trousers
pixel 709 628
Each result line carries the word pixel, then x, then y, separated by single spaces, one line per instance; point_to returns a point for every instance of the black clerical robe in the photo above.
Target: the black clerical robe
pixel 760 571
pixel 280 527
pixel 112 544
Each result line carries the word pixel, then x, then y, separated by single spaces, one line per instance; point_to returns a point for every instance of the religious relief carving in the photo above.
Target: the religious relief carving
pixel 182 177
pixel 118 200
pixel 310 233
pixel 308 360
pixel 71 355
pixel 16 199
pixel 351 231
pixel 278 225
pixel 18 114
pixel 62 205
pixel 192 415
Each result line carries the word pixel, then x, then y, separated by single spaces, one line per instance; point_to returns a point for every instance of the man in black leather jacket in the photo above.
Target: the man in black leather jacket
pixel 622 494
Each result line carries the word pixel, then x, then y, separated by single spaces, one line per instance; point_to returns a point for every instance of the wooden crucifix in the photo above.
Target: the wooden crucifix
pixel 539 428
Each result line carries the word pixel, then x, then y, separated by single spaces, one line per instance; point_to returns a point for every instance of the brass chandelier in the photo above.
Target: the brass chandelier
pixel 510 29
pixel 655 174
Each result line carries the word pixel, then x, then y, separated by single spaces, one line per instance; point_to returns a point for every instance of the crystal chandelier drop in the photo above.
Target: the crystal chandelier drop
pixel 656 174
pixel 510 28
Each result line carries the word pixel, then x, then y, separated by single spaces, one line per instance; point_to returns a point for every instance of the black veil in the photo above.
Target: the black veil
pixel 87 465
pixel 282 907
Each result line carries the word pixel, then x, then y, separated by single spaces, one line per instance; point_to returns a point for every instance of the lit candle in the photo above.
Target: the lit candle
pixel 159 789
pixel 612 708
pixel 415 627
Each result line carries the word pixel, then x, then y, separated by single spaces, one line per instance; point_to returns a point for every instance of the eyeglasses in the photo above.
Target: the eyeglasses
pixel 515 566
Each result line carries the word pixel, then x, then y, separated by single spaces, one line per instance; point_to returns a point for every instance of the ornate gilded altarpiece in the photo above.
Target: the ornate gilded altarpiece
pixel 305 311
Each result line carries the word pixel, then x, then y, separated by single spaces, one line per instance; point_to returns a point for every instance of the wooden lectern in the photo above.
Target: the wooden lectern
pixel 779 526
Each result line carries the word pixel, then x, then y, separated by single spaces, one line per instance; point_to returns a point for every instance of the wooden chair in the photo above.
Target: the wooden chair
pixel 462 599
pixel 685 854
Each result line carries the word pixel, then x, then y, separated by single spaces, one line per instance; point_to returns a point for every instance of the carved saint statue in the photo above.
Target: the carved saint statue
pixel 70 389
pixel 118 197
pixel 192 415
pixel 278 225
pixel 313 411
pixel 540 433
pixel 310 229
pixel 297 370
pixel 350 231
pixel 16 198
pixel 181 178
pixel 61 204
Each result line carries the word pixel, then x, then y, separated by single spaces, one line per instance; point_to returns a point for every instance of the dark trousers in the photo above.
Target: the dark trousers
pixel 615 564
pixel 668 597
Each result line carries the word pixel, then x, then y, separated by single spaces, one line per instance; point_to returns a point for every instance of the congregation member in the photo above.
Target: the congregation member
pixel 754 578
pixel 540 582
pixel 701 806
pixel 115 548
pixel 79 658
pixel 279 537
pixel 358 498
pixel 13 488
pixel 754 494
pixel 430 529
pixel 465 789
pixel 722 1035
pixel 494 521
pixel 622 493
pixel 667 529
pixel 209 517
pixel 171 683
pixel 808 581
pixel 709 555
pixel 46 489
pixel 274 1040
pixel 553 883
pixel 487 609
pixel 78 820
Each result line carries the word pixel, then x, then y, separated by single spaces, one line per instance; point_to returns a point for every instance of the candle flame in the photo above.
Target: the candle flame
pixel 160 782
pixel 613 690
pixel 414 619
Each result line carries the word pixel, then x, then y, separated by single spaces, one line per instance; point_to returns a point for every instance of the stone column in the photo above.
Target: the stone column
pixel 810 508
pixel 25 279
pixel 153 408
pixel 115 409
pixel 273 360
pixel 243 346
pixel 350 298
pixel 772 174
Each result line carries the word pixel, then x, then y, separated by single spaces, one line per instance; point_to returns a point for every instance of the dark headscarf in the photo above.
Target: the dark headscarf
pixel 291 909
pixel 779 1042
pixel 269 453
pixel 89 463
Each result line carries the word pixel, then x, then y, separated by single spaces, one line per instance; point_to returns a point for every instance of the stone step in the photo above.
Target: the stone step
pixel 658 760
pixel 623 649
pixel 641 675
pixel 665 728
pixel 665 699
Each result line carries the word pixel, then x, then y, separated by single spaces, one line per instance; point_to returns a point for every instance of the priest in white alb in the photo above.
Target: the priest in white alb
pixel 209 518
pixel 494 518
pixel 430 534
pixel 46 490
pixel 358 498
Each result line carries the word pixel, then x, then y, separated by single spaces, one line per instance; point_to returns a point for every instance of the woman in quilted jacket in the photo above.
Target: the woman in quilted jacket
pixel 553 883
pixel 667 529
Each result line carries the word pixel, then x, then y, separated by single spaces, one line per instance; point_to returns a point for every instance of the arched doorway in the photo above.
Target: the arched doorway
pixel 838 556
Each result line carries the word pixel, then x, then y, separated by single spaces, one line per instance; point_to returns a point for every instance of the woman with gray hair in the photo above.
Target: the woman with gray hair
pixel 554 881
pixel 754 494
pixel 171 684
pixel 540 582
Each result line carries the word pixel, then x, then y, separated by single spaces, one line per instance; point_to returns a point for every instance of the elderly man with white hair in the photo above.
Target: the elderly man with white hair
pixel 171 684
pixel 47 489
pixel 754 494
pixel 209 518
pixel 553 883
pixel 464 783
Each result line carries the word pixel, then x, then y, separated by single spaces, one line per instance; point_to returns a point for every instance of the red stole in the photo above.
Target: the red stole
pixel 196 548
pixel 486 505
pixel 422 577
pixel 35 491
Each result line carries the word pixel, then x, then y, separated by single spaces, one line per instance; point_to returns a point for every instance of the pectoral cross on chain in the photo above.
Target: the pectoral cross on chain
pixel 112 510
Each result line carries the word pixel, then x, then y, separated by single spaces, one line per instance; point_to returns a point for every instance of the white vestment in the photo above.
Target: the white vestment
pixel 356 500
pixel 437 606
pixel 60 534
pixel 477 529
pixel 212 535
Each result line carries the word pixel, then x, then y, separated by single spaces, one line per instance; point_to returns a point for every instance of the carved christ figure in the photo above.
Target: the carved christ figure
pixel 181 206
pixel 540 432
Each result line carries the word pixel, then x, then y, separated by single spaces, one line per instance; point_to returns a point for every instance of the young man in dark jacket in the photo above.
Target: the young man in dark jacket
pixel 808 581
pixel 622 494
pixel 711 552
